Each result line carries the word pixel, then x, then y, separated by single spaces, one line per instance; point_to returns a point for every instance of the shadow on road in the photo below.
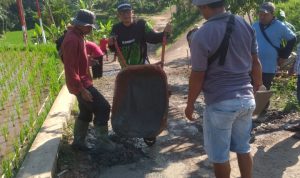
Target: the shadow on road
pixel 266 159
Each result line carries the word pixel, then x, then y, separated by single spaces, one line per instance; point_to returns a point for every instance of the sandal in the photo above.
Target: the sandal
pixel 292 128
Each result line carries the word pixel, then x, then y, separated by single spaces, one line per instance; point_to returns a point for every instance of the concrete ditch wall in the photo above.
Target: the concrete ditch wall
pixel 41 159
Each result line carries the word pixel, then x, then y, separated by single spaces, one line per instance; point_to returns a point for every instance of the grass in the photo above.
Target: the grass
pixel 15 38
pixel 284 97
pixel 24 67
pixel 291 7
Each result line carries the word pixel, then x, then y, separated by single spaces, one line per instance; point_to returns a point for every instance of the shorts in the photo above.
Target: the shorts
pixel 227 126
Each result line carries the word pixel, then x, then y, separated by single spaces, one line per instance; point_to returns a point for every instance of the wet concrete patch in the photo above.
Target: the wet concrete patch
pixel 129 150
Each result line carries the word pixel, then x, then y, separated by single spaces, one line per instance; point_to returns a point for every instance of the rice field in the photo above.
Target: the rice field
pixel 30 79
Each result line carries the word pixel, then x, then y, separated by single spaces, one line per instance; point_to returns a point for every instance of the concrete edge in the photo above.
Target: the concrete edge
pixel 40 160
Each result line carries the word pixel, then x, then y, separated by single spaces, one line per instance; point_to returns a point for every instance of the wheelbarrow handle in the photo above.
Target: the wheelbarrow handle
pixel 119 53
pixel 163 49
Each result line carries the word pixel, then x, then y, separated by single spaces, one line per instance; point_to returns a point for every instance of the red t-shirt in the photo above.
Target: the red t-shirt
pixel 93 49
pixel 103 44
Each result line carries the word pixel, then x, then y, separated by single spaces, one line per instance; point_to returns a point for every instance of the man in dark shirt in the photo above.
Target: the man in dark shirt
pixel 79 83
pixel 132 36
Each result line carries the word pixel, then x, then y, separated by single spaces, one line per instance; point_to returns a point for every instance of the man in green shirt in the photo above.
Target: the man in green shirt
pixel 281 16
pixel 133 35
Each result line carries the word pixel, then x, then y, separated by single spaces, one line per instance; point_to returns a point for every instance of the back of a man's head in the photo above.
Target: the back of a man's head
pixel 210 3
pixel 84 17
pixel 217 4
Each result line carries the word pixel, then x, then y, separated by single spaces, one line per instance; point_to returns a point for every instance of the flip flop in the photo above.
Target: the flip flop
pixel 296 135
pixel 292 128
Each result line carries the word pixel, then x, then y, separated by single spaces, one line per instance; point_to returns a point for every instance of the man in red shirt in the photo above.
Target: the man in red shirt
pixel 79 83
pixel 103 46
pixel 95 56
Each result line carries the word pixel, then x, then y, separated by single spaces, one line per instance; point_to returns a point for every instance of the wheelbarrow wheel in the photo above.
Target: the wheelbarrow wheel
pixel 150 141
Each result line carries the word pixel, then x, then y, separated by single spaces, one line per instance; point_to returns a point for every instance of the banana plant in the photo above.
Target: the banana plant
pixel 54 32
pixel 105 29
pixel 37 34
pixel 85 4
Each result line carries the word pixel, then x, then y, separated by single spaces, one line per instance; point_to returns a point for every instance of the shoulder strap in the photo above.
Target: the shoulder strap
pixel 262 29
pixel 223 48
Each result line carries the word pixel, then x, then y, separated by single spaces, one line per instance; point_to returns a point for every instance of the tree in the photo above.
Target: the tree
pixel 245 7
pixel 5 3
pixel 3 14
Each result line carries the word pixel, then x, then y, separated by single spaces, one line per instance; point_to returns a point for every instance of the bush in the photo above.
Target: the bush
pixel 285 94
pixel 186 14
pixel 292 11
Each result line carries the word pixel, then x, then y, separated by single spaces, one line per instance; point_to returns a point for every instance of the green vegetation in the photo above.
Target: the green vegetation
pixel 285 87
pixel 291 8
pixel 185 15
pixel 29 75
pixel 246 6
pixel 14 38
pixel 285 94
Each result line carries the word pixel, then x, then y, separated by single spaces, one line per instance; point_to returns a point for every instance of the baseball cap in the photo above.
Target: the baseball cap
pixel 267 7
pixel 204 2
pixel 124 6
pixel 84 18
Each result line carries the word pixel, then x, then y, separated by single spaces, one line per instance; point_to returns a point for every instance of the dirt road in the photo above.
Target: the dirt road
pixel 179 151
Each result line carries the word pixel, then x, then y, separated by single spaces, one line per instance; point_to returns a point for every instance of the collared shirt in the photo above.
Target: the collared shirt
pixel 75 61
pixel 268 55
pixel 231 80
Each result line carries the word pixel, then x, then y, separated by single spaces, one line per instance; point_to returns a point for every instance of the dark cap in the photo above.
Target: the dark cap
pixel 124 6
pixel 204 2
pixel 84 18
pixel 267 7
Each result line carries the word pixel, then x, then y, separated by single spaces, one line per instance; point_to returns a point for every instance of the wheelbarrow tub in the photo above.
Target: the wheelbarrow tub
pixel 140 102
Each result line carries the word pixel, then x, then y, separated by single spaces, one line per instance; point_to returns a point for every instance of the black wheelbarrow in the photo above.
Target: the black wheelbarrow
pixel 141 100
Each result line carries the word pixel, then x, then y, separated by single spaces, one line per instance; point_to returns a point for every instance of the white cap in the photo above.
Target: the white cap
pixel 204 2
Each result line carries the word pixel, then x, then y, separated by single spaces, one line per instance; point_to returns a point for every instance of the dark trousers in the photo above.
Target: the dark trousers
pixel 268 79
pixel 100 108
pixel 97 69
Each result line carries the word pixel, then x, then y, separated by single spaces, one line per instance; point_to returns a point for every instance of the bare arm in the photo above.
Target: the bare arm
pixel 256 73
pixel 195 87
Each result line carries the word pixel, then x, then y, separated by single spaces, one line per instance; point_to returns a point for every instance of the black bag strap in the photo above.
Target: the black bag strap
pixel 262 29
pixel 223 48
